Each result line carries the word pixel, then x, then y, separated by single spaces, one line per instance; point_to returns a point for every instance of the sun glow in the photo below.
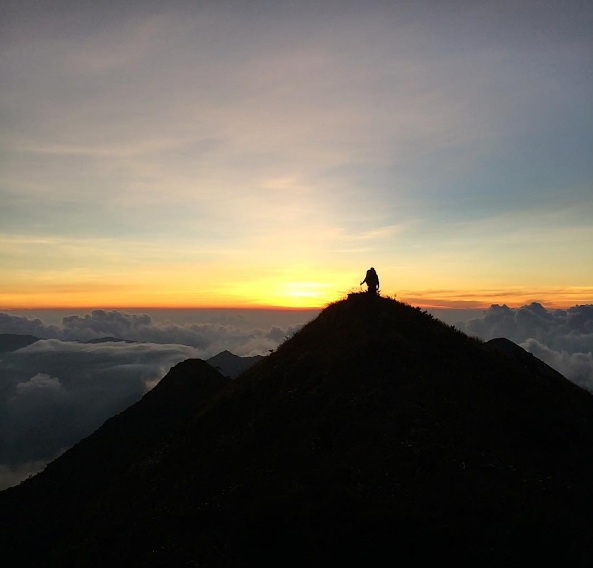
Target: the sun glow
pixel 236 285
pixel 179 286
pixel 285 291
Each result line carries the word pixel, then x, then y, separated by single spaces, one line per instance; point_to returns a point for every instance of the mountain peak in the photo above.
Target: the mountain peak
pixel 231 365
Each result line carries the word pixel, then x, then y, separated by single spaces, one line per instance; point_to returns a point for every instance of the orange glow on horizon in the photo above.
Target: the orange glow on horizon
pixel 303 295
pixel 297 286
pixel 513 297
pixel 259 295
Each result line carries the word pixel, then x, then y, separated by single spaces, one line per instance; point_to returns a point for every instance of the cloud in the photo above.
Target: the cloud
pixel 104 322
pixel 578 367
pixel 25 326
pixel 561 338
pixel 209 338
pixel 54 392
pixel 40 383
pixel 60 389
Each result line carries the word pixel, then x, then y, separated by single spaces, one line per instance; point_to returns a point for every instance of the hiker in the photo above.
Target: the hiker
pixel 372 281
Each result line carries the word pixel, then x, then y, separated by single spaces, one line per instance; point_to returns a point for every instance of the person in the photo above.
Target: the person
pixel 372 281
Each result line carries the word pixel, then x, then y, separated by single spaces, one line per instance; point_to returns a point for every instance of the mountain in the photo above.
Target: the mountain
pixel 524 358
pixel 12 341
pixel 231 365
pixel 376 434
pixel 63 492
pixel 107 339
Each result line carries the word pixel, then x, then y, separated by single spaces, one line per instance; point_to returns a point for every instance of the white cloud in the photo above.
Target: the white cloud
pixel 209 338
pixel 40 382
pixel 25 326
pixel 561 338
pixel 578 367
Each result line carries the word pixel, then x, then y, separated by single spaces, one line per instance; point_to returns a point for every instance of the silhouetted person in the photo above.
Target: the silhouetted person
pixel 372 281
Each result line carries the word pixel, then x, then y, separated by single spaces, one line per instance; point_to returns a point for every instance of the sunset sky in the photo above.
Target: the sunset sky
pixel 254 153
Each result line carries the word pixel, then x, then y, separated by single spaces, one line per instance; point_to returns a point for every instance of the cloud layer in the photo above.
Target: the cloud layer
pixel 561 338
pixel 53 393
pixel 208 337
pixel 58 390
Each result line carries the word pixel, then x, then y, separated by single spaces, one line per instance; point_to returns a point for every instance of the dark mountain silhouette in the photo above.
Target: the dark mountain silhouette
pixel 231 365
pixel 12 341
pixel 107 339
pixel 529 361
pixel 377 434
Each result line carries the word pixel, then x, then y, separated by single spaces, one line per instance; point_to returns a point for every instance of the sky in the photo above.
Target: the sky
pixel 257 153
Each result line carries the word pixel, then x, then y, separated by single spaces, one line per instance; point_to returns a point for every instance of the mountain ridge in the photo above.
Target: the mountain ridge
pixel 14 341
pixel 375 429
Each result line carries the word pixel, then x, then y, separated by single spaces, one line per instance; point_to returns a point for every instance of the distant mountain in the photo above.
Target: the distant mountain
pixel 231 365
pixel 529 361
pixel 375 435
pixel 12 341
pixel 107 340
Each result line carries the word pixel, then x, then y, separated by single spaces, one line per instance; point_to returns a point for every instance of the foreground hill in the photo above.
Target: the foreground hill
pixel 375 434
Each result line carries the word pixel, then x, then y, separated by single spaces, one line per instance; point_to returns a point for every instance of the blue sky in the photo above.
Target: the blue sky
pixel 266 153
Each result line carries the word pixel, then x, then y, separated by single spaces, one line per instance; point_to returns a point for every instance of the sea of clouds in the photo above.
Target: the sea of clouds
pixel 61 388
pixel 208 337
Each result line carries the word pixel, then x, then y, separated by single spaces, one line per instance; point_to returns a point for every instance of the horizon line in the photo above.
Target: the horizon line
pixel 427 305
pixel 162 307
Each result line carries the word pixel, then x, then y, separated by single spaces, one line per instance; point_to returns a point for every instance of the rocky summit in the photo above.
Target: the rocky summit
pixel 376 434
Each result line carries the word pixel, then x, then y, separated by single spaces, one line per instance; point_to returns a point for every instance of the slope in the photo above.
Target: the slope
pixel 375 433
pixel 35 514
